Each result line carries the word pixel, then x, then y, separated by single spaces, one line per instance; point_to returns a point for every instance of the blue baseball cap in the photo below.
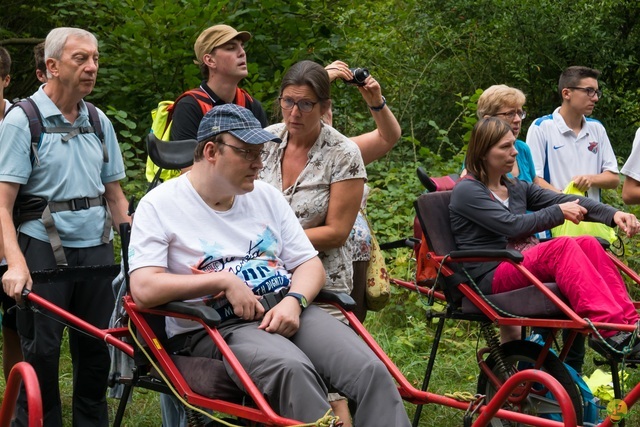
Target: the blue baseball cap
pixel 236 120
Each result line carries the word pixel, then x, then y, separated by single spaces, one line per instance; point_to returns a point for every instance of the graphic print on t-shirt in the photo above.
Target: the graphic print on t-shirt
pixel 257 267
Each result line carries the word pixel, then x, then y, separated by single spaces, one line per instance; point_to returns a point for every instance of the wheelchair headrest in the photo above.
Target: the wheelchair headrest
pixel 171 154
pixel 441 183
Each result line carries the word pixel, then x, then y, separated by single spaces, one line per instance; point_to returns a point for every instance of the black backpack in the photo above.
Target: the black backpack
pixel 37 129
pixel 28 207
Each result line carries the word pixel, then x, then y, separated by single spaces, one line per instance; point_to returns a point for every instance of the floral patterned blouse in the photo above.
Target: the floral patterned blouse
pixel 333 158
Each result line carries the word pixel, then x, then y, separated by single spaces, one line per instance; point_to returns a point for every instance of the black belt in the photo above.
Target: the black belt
pixel 271 299
pixel 79 204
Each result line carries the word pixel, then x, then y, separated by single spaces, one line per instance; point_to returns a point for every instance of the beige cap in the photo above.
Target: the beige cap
pixel 216 36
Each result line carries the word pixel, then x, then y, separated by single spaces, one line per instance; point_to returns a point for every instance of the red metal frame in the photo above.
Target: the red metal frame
pixel 265 414
pixel 573 321
pixel 22 372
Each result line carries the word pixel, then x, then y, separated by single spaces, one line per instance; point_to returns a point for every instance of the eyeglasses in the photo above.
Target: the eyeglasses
pixel 511 114
pixel 249 155
pixel 305 106
pixel 588 90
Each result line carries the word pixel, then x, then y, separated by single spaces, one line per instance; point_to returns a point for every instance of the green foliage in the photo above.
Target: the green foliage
pixel 135 183
pixel 432 59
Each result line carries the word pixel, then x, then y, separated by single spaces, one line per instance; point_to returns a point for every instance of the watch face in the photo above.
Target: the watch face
pixel 302 300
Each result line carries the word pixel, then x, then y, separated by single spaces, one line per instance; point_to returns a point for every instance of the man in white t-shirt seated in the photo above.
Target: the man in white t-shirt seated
pixel 217 236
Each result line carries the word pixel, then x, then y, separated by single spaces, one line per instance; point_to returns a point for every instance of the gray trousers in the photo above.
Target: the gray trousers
pixel 293 373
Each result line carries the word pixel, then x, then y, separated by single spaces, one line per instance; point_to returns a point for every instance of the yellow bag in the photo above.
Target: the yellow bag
pixel 161 126
pixel 585 228
pixel 378 290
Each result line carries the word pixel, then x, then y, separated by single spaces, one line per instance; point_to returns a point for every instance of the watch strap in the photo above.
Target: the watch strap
pixel 302 300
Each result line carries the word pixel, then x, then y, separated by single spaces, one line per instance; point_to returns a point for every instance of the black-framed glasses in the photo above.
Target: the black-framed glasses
pixel 304 105
pixel 511 114
pixel 249 155
pixel 588 90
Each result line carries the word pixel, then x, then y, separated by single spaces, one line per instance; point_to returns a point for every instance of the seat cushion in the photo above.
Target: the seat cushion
pixel 208 377
pixel 526 302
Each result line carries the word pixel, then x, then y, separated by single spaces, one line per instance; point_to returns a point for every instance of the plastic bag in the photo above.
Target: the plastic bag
pixel 585 228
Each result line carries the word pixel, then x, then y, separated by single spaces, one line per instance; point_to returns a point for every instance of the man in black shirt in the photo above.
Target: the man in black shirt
pixel 223 63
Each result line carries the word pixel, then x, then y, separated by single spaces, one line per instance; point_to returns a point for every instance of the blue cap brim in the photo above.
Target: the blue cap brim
pixel 254 136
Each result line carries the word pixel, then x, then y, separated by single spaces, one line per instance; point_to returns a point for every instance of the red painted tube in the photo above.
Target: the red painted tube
pixel 22 372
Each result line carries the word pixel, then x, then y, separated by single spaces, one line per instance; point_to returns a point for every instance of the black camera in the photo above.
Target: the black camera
pixel 359 76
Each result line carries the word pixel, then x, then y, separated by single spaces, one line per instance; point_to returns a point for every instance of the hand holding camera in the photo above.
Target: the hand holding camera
pixel 359 77
pixel 352 76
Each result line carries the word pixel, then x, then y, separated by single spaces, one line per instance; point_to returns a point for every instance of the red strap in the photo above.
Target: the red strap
pixel 242 97
pixel 206 103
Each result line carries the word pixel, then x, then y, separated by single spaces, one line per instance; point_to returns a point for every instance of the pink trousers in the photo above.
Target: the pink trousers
pixel 585 275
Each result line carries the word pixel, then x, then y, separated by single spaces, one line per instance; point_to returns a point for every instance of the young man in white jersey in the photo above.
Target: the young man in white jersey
pixel 567 145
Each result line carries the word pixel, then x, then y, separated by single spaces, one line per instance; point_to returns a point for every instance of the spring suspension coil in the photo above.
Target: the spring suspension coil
pixel 193 418
pixel 492 338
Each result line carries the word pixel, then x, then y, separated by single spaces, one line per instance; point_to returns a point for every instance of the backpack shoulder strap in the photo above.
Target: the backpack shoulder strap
pixel 94 119
pixel 203 99
pixel 32 112
pixel 243 98
pixel 36 128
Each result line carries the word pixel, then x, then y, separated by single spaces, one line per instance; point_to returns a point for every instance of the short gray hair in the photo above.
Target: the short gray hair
pixel 57 39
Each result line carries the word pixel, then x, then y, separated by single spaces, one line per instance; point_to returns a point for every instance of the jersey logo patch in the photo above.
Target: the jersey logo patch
pixel 555 147
pixel 593 147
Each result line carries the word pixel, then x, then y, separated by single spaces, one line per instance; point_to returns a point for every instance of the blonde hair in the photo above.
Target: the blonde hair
pixel 496 97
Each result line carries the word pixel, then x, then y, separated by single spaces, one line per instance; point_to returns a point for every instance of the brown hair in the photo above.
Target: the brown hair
pixel 485 134
pixel 5 63
pixel 198 153
pixel 311 74
pixel 38 56
pixel 571 76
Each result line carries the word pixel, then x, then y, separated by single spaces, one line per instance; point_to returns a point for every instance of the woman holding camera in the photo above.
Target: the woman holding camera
pixel 373 145
pixel 319 170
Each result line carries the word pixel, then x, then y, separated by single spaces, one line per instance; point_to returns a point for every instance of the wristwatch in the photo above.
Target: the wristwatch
pixel 302 300
pixel 379 107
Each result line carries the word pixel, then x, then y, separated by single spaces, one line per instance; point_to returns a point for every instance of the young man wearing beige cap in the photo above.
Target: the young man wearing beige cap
pixel 223 63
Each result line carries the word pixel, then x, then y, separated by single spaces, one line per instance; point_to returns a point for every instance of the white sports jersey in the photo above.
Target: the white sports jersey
pixel 559 154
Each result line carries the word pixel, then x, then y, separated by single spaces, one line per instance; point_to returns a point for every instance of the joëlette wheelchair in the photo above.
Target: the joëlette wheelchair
pixel 204 383
pixel 539 305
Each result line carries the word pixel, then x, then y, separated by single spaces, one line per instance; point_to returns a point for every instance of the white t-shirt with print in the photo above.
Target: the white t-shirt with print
pixel 259 239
